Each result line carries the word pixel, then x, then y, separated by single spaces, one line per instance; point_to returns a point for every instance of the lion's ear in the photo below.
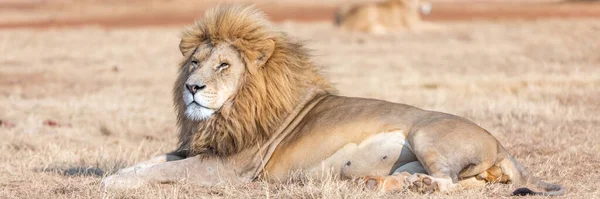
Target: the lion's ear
pixel 266 51
pixel 187 45
pixel 183 47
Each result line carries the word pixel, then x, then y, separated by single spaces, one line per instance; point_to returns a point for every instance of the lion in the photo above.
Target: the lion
pixel 251 105
pixel 383 17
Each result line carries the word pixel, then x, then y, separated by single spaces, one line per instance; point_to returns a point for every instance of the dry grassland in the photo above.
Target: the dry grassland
pixel 75 99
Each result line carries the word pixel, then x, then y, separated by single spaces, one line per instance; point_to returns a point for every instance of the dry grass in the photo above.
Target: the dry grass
pixel 100 98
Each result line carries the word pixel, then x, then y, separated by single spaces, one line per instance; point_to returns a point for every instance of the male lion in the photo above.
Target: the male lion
pixel 382 17
pixel 251 105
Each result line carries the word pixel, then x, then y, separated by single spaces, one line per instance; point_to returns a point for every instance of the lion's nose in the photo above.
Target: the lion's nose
pixel 193 88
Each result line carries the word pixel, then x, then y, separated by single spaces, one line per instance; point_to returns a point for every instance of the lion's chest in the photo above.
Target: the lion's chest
pixel 379 154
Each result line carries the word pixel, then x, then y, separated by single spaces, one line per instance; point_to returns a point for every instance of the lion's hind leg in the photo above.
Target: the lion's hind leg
pixel 451 150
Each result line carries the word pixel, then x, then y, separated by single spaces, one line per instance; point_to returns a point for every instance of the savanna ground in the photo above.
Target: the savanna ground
pixel 79 102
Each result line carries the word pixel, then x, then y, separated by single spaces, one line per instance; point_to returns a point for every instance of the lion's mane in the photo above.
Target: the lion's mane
pixel 267 93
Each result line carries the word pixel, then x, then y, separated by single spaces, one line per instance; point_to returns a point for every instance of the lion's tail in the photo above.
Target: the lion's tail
pixel 522 176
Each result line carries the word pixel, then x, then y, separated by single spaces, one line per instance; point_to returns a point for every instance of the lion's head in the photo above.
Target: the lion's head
pixel 239 79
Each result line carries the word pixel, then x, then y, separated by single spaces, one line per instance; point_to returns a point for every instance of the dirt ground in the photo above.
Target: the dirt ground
pixel 79 101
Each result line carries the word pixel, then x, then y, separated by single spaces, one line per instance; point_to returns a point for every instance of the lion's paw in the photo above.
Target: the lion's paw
pixel 422 183
pixel 372 182
pixel 396 182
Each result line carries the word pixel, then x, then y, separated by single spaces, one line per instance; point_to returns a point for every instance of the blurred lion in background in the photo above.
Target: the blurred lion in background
pixel 382 17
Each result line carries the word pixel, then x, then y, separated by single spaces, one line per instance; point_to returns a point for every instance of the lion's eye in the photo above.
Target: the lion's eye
pixel 195 63
pixel 222 65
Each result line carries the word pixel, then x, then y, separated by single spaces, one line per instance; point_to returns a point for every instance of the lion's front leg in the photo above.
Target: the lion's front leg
pixel 195 170
pixel 126 177
pixel 154 161
pixel 157 170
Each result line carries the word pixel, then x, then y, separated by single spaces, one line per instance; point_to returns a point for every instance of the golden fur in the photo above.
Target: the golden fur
pixel 267 93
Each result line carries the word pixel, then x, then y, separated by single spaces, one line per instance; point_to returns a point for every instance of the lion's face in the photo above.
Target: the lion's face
pixel 213 76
